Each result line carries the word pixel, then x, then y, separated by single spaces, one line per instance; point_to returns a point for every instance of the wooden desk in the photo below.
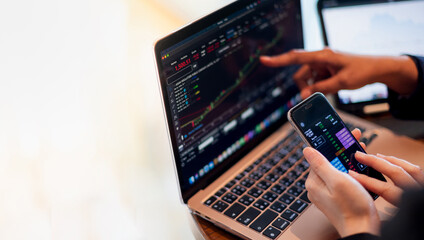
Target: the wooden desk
pixel 210 231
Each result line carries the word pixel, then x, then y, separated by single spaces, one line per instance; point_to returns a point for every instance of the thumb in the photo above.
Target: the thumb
pixel 320 164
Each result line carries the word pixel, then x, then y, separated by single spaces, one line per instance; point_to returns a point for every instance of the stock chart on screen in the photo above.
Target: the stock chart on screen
pixel 218 90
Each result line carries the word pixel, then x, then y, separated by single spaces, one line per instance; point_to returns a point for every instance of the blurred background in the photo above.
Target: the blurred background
pixel 84 152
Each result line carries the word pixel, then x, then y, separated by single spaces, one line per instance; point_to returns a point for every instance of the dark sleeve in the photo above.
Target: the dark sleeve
pixel 408 223
pixel 361 236
pixel 412 106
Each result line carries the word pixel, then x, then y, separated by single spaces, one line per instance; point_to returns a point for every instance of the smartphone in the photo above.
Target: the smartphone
pixel 321 128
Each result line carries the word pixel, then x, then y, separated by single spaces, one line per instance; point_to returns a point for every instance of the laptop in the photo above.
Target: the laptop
pixel 238 162
pixel 372 27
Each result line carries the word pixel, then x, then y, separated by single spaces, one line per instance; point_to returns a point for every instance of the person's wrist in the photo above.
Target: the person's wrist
pixel 366 224
pixel 403 75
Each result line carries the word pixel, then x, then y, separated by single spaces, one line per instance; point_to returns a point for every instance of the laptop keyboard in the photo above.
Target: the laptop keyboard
pixel 270 194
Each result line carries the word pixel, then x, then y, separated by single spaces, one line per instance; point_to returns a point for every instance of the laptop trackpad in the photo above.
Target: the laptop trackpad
pixel 313 224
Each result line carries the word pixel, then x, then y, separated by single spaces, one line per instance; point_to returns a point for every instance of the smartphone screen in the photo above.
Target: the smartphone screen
pixel 323 129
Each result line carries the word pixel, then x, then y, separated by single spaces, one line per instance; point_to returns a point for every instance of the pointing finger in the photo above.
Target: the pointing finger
pixel 296 57
pixel 396 173
pixel 414 170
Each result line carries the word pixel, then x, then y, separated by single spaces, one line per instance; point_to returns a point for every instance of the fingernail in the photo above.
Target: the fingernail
pixel 266 58
pixel 308 153
pixel 306 150
pixel 353 173
pixel 380 155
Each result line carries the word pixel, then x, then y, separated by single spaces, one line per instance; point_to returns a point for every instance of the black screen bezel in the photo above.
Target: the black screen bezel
pixel 310 103
pixel 177 37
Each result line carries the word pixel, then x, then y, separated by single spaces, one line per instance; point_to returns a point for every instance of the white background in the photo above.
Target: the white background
pixel 83 146
pixel 380 29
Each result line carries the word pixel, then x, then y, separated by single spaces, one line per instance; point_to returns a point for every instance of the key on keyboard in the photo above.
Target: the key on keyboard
pixel 273 173
pixel 298 206
pixel 266 218
pixel 271 232
pixel 220 206
pixel 248 216
pixel 246 200
pixel 234 210
pixel 289 215
pixel 280 223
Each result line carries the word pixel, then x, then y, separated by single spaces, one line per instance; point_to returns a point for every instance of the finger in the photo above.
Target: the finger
pixel 314 180
pixel 386 190
pixel 295 57
pixel 356 133
pixel 320 165
pixel 414 170
pixel 301 76
pixel 306 92
pixel 303 72
pixel 321 72
pixel 329 85
pixel 315 185
pixel 396 173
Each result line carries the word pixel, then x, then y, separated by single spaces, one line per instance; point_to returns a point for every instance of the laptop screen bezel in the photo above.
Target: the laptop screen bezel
pixel 175 38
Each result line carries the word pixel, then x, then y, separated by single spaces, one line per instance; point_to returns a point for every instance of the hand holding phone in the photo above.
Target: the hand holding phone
pixel 321 128
pixel 346 203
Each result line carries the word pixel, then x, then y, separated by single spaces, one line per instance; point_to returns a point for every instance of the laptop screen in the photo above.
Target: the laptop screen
pixel 220 101
pixel 373 27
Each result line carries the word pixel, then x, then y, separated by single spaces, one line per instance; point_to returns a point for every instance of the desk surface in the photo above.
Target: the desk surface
pixel 210 231
pixel 411 128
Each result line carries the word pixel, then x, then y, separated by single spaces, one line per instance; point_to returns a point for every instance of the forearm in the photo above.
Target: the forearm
pixel 400 74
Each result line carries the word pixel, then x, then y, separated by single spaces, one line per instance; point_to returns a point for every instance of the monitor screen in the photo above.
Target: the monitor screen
pixel 220 100
pixel 373 28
